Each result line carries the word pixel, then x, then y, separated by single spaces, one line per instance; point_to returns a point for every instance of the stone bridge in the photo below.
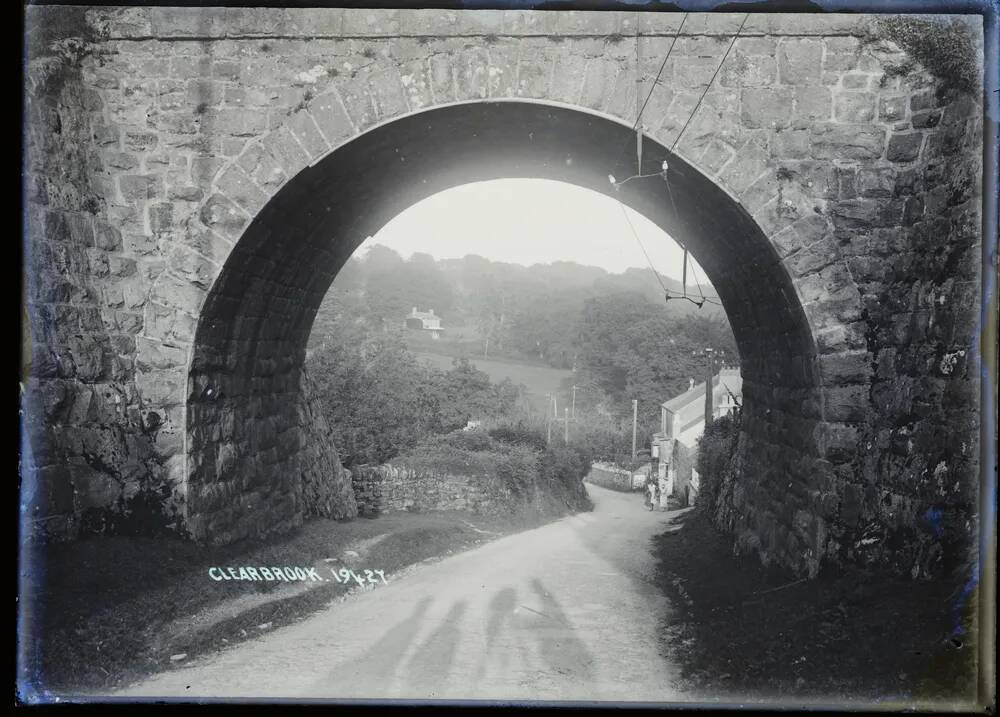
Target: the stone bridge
pixel 195 179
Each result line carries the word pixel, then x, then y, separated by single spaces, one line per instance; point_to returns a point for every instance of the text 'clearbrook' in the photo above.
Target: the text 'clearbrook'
pixel 287 574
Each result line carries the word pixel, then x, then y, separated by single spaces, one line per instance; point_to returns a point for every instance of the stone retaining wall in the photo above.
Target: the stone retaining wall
pixel 610 477
pixel 389 488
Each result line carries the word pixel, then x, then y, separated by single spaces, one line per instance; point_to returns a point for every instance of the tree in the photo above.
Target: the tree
pixel 374 396
pixel 465 393
pixel 603 329
pixel 382 258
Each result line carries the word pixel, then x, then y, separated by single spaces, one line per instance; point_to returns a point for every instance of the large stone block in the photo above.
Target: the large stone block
pixel 766 108
pixel 751 161
pixel 812 103
pixel 892 107
pixel 854 107
pixel 235 184
pixel 748 70
pixel 188 22
pixel 305 130
pixel 847 141
pixel 223 215
pixel 800 62
pixel 849 367
pixel 179 293
pixel 904 146
pixel 813 258
pixel 535 72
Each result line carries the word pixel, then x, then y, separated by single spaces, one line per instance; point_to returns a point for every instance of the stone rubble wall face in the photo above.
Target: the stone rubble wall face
pixel 611 479
pixel 163 140
pixel 396 488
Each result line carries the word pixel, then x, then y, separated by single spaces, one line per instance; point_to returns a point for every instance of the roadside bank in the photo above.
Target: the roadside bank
pixel 111 610
pixel 741 632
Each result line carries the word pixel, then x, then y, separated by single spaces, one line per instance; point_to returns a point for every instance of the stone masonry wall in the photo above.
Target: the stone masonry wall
pixel 898 485
pixel 169 129
pixel 90 457
pixel 388 488
pixel 611 478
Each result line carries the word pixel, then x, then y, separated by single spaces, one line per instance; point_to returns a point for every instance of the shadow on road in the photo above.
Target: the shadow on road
pixel 559 646
pixel 501 611
pixel 431 663
pixel 383 657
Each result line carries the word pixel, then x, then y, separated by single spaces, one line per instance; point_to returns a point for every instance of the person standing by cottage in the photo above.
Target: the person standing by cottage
pixel 651 491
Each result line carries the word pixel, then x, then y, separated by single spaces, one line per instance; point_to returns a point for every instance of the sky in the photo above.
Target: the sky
pixel 531 221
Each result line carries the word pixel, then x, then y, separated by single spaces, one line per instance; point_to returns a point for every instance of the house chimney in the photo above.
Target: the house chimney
pixel 414 312
pixel 430 311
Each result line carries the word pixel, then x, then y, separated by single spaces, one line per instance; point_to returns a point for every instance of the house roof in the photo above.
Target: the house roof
pixel 693 394
pixel 696 393
pixel 422 315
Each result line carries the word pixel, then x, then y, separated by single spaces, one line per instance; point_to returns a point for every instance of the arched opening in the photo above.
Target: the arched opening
pixel 554 295
pixel 247 424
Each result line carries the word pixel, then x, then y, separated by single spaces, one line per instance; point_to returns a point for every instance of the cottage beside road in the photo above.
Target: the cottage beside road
pixel 682 423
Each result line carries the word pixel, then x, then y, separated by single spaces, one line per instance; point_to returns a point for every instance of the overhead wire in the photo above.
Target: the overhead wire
pixel 711 81
pixel 642 246
pixel 656 80
pixel 663 173
pixel 666 291
pixel 636 126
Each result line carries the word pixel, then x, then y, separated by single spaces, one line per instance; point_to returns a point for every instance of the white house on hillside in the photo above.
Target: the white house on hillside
pixel 424 321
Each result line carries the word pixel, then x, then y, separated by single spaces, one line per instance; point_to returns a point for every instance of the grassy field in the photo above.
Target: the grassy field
pixel 539 380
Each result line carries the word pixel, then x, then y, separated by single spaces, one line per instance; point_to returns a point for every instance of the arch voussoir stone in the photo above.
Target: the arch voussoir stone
pixel 306 131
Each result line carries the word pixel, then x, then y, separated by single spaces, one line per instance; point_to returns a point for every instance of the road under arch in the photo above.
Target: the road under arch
pixel 248 436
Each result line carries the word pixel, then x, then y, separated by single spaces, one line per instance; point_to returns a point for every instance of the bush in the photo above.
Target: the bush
pixel 947 49
pixel 471 440
pixel 436 455
pixel 565 465
pixel 510 456
pixel 520 434
pixel 715 452
pixel 602 438
pixel 379 400
pixel 501 466
pixel 562 472
pixel 517 469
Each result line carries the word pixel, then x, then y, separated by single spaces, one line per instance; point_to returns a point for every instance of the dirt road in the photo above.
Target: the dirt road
pixel 563 612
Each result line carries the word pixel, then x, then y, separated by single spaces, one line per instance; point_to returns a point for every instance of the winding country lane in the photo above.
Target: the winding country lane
pixel 563 612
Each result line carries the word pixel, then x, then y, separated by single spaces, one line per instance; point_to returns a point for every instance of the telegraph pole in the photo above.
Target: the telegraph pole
pixel 548 424
pixel 709 392
pixel 572 412
pixel 635 414
pixel 566 426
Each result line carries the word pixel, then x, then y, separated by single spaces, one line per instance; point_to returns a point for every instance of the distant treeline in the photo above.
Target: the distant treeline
pixel 495 309
pixel 623 340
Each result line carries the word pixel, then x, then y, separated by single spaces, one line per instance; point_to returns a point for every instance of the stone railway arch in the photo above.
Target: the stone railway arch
pixel 233 159
pixel 255 322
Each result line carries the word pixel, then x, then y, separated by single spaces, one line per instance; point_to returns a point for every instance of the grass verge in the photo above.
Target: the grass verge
pixel 742 632
pixel 110 610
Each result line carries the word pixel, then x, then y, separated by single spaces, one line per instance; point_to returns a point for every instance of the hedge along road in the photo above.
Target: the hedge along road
pixel 563 612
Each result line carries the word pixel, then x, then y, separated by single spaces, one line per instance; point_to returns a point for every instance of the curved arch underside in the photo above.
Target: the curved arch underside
pixel 245 415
